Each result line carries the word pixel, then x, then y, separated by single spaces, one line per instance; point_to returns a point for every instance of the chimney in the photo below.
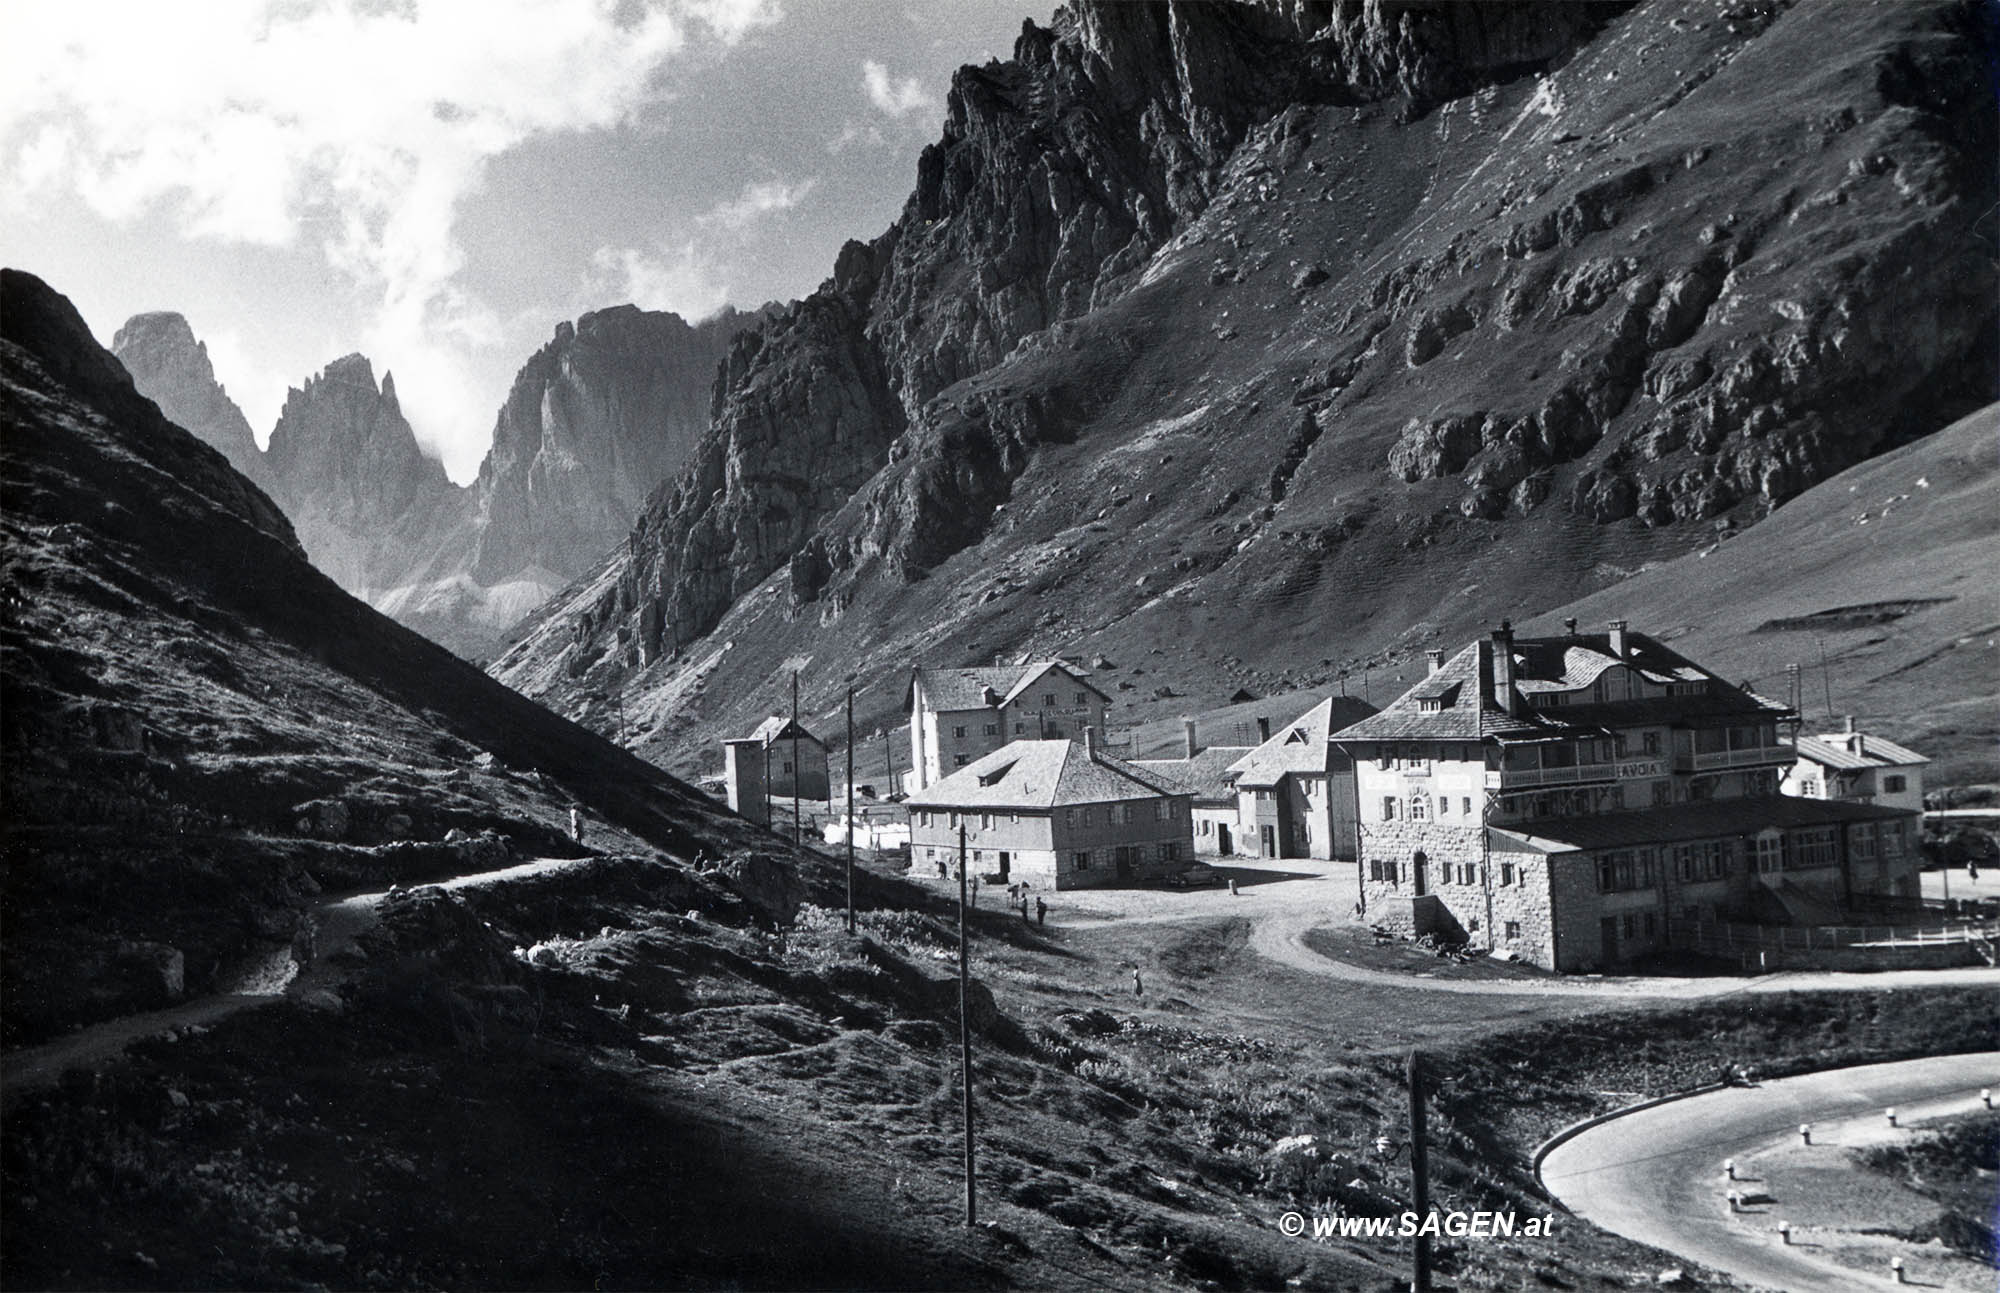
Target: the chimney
pixel 1435 656
pixel 1618 638
pixel 1090 743
pixel 1503 668
pixel 1187 735
pixel 1847 725
pixel 1569 626
pixel 1263 729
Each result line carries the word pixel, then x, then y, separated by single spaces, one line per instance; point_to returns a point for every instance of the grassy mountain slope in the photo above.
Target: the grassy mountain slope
pixel 1404 363
pixel 1887 571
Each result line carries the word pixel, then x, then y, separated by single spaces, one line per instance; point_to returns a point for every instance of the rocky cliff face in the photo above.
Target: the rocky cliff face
pixel 171 368
pixel 1295 336
pixel 1058 175
pixel 346 468
pixel 595 421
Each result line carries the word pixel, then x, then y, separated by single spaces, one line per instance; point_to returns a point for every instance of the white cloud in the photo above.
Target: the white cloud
pixel 756 200
pixel 680 277
pixel 853 135
pixel 897 98
pixel 255 121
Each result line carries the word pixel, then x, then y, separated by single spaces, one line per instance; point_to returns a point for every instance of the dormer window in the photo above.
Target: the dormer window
pixel 997 775
pixel 1430 704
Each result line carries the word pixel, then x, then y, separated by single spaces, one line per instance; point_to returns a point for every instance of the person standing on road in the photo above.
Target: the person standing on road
pixel 1041 914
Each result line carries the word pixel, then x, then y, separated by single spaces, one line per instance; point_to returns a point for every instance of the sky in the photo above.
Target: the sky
pixel 438 183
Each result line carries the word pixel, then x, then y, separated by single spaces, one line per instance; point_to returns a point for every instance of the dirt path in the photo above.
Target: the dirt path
pixel 1655 1174
pixel 338 922
pixel 1286 899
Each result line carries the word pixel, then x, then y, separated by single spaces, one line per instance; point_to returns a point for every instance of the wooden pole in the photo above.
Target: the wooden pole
pixel 850 810
pixel 965 1034
pixel 1419 1176
pixel 1826 680
pixel 798 773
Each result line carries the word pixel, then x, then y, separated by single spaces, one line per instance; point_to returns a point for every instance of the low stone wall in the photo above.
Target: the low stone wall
pixel 1902 956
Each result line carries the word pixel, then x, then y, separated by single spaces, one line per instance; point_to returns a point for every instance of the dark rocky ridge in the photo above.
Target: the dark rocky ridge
pixel 198 729
pixel 1401 338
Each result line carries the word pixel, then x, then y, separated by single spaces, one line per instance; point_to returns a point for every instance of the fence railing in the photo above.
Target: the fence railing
pixel 1731 936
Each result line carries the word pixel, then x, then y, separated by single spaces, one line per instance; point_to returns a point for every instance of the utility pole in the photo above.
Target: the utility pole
pixel 850 810
pixel 1419 1176
pixel 965 1033
pixel 798 773
pixel 1826 680
pixel 770 817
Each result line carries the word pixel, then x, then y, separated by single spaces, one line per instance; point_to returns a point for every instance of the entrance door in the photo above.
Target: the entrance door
pixel 1223 848
pixel 1124 861
pixel 1419 866
pixel 1270 836
pixel 1607 939
pixel 1005 860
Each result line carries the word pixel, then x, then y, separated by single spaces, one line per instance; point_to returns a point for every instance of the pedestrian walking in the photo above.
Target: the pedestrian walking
pixel 1024 910
pixel 975 891
pixel 575 824
pixel 1041 914
pixel 1972 870
pixel 1138 986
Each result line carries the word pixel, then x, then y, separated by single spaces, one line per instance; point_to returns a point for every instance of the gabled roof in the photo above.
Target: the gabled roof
pixel 1206 776
pixel 1043 774
pixel 1705 820
pixel 986 687
pixel 1449 705
pixel 1453 704
pixel 1035 673
pixel 1300 746
pixel 1831 751
pixel 779 728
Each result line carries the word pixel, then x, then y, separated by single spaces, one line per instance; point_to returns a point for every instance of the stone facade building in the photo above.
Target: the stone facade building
pixel 1576 798
pixel 1857 767
pixel 1057 814
pixel 959 715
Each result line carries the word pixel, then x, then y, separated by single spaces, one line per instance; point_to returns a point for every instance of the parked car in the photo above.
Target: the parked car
pixel 1194 877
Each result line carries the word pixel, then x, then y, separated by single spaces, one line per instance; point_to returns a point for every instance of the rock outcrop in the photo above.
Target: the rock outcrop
pixel 171 368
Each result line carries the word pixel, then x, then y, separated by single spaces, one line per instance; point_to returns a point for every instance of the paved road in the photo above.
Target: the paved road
pixel 338 921
pixel 1655 1175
